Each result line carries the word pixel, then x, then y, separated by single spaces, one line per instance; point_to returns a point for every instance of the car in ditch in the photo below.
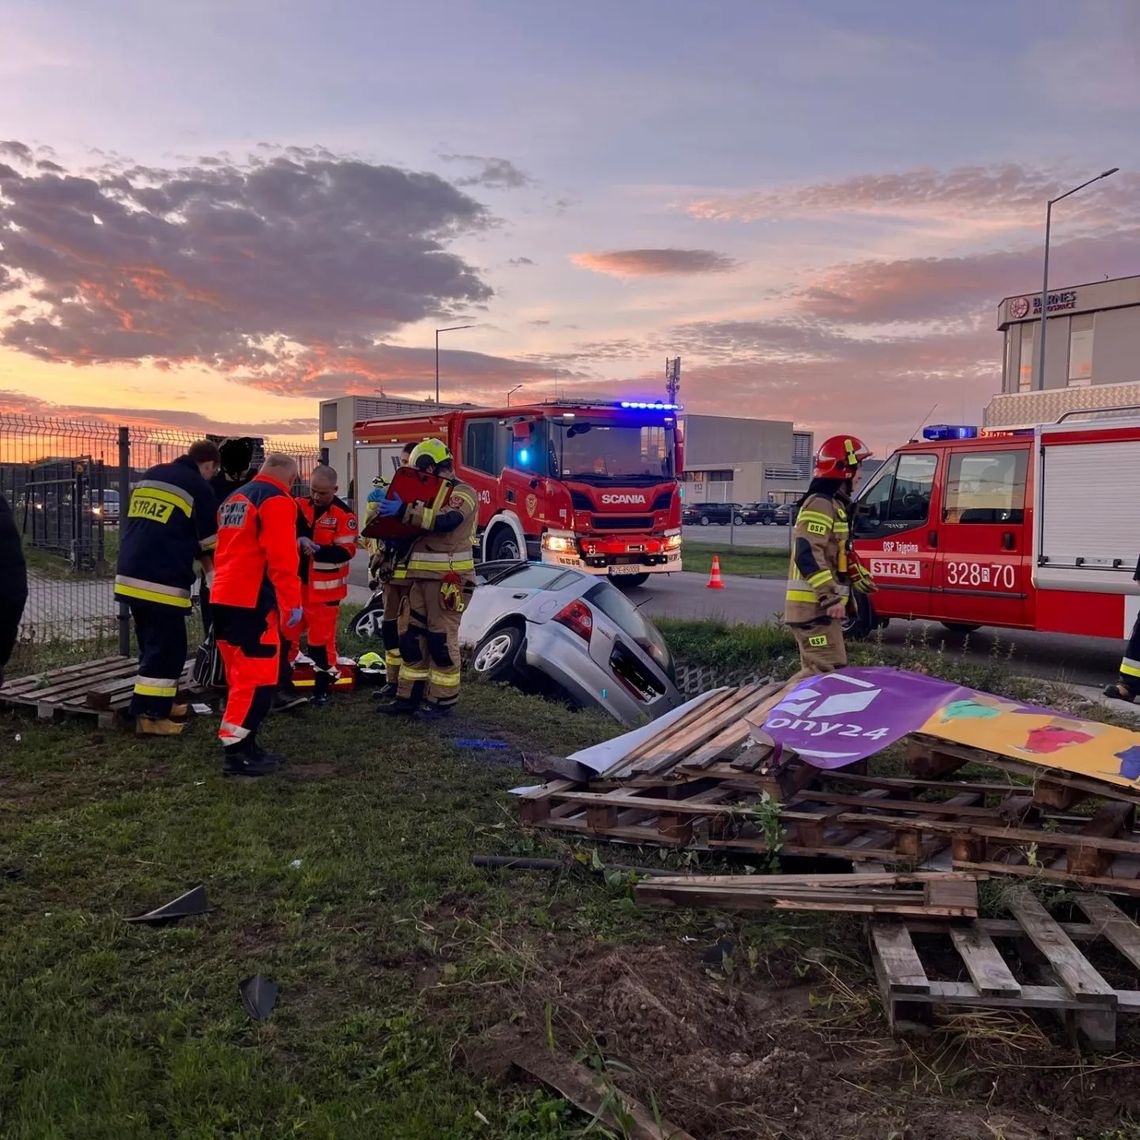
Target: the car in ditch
pixel 557 629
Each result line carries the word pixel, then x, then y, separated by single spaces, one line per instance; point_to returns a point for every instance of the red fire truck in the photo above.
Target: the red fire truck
pixel 1035 529
pixel 594 486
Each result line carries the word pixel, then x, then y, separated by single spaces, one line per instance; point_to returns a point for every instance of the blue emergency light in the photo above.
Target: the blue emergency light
pixel 651 406
pixel 949 431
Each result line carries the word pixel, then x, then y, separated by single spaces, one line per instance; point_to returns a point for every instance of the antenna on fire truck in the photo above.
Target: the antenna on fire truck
pixel 925 420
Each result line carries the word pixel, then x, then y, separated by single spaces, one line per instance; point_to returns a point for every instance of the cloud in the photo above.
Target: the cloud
pixel 520 261
pixel 21 152
pixel 249 267
pixel 494 173
pixel 655 262
pixel 1004 196
pixel 21 404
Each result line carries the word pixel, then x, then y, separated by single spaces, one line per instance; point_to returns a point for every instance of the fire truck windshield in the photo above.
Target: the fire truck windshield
pixel 612 451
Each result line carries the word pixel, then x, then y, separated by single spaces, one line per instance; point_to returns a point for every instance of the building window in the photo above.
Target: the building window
pixel 802 452
pixel 1012 339
pixel 719 476
pixel 1080 350
pixel 986 487
pixel 1025 374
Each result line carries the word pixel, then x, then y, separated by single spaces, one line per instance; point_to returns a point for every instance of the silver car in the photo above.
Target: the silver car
pixel 535 620
pixel 544 626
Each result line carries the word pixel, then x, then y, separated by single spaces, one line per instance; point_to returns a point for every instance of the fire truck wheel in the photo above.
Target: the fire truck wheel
pixel 860 621
pixel 504 545
pixel 960 626
pixel 494 657
pixel 624 581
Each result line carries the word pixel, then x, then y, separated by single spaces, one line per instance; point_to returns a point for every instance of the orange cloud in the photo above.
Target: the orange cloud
pixel 655 262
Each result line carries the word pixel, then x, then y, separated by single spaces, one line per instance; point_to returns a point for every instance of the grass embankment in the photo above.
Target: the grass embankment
pixel 751 562
pixel 347 881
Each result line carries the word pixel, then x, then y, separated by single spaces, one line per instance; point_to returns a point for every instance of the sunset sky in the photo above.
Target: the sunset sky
pixel 217 212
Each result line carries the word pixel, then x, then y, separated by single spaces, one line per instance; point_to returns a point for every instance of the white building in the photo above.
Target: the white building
pixel 734 460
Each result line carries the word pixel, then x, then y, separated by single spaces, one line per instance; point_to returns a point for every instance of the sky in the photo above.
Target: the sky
pixel 215 213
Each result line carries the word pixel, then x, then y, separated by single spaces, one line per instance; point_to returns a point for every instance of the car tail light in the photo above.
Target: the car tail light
pixel 577 616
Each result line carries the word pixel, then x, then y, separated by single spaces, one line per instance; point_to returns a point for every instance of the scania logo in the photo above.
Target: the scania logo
pixel 623 500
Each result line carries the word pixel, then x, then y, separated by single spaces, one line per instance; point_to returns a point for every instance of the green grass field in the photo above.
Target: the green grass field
pixel 749 561
pixel 347 881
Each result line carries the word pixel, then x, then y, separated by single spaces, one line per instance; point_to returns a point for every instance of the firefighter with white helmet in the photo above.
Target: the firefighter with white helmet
pixel 823 568
pixel 441 569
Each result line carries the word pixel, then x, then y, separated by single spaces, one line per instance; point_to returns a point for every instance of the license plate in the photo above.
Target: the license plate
pixel 626 570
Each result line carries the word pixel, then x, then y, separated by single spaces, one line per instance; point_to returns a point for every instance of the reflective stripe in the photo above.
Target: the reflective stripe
pixel 427 517
pixel 467 497
pixel 413 673
pixel 335 584
pixel 171 490
pixel 815 516
pixel 148 687
pixel 1130 668
pixel 153 587
pixel 392 657
pixel 153 592
pixel 447 678
pixel 433 556
pixel 819 579
pixel 459 565
pixel 801 596
pixel 330 566
pixel 346 540
pixel 233 731
pixel 153 494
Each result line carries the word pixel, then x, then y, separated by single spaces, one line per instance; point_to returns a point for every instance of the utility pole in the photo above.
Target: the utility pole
pixel 672 378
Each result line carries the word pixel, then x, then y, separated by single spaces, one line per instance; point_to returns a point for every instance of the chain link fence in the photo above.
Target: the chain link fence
pixel 69 485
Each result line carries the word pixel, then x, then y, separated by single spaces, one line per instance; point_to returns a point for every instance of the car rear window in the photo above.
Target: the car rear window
pixel 537 576
pixel 627 617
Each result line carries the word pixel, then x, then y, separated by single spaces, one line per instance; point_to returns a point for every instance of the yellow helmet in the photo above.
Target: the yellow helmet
pixel 370 663
pixel 432 452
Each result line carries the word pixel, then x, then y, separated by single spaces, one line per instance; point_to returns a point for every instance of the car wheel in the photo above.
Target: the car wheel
pixel 860 619
pixel 494 657
pixel 705 520
pixel 960 626
pixel 738 520
pixel 367 622
pixel 622 581
pixel 766 522
pixel 505 546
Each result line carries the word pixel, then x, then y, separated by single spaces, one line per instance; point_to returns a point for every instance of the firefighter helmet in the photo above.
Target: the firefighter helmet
pixel 839 457
pixel 430 453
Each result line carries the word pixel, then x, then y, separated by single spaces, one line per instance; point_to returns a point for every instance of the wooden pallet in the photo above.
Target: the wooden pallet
pixel 100 689
pixel 1056 975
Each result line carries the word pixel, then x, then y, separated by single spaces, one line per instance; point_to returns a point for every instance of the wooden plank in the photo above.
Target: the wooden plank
pixel 986 967
pixel 1031 997
pixel 1071 967
pixel 857 879
pixel 82 680
pixel 28 681
pixel 591 1093
pixel 966 804
pixel 902 967
pixel 1102 883
pixel 931 759
pixel 102 695
pixel 1109 920
pixel 535 806
pixel 1109 821
pixel 628 764
pixel 660 749
pixel 906 784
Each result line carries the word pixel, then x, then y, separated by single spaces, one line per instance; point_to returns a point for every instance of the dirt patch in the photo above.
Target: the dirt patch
pixel 752 1058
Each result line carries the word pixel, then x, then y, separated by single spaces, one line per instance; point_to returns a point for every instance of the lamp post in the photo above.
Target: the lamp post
pixel 450 328
pixel 1045 272
pixel 511 393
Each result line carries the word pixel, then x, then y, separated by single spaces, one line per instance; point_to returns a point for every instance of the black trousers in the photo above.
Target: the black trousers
pixel 161 633
pixel 11 610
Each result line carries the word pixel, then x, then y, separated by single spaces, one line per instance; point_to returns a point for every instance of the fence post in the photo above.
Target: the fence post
pixel 124 511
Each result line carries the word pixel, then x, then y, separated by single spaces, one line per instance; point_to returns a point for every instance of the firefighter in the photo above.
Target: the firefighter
pixel 441 570
pixel 171 523
pixel 823 568
pixel 256 597
pixel 13 583
pixel 1127 683
pixel 383 568
pixel 326 539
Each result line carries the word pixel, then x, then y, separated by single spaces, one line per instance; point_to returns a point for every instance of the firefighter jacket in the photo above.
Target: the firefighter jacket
pixel 333 529
pixel 171 521
pixel 256 566
pixel 818 574
pixel 449 524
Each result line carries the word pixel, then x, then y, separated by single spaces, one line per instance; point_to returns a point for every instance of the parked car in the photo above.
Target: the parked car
pixel 785 514
pixel 752 513
pixel 706 514
pixel 539 625
pixel 109 509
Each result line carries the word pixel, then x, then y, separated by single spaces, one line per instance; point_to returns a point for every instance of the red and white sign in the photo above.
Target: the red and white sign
pixel 1019 307
pixel 895 568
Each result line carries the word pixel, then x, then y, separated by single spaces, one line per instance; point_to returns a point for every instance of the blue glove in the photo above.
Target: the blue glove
pixel 390 507
pixel 294 617
pixel 376 495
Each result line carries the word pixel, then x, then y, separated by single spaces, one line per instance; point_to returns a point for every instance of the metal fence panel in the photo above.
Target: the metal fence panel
pixel 69 484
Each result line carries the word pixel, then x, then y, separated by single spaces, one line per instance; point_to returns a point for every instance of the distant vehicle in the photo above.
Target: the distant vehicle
pixel 108 510
pixel 785 514
pixel 710 514
pixel 752 513
pixel 540 625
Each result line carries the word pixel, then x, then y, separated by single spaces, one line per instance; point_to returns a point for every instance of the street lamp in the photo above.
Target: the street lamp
pixel 511 393
pixel 450 328
pixel 1045 273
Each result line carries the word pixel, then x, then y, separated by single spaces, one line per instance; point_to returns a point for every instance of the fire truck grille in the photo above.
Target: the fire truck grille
pixel 622 522
pixel 580 502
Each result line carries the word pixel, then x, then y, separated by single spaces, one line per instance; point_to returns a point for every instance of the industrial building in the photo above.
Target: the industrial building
pixel 1091 353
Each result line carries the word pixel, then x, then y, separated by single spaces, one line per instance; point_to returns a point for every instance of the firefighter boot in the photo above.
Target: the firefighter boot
pixel 322 683
pixel 247 759
pixel 158 726
pixel 401 706
pixel 431 712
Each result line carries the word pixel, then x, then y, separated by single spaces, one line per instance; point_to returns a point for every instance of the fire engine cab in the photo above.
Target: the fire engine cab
pixel 1027 529
pixel 593 486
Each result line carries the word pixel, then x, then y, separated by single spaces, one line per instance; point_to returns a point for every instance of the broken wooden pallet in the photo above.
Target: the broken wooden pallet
pixel 1055 974
pixel 931 894
pixel 100 689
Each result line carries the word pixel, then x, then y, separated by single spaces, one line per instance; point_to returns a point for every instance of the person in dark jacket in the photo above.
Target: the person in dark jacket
pixel 170 525
pixel 13 583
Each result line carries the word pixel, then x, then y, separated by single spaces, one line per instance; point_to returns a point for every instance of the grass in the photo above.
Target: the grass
pixel 751 562
pixel 348 882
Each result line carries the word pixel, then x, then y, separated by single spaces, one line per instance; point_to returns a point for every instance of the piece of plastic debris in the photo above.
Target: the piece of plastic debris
pixel 604 691
pixel 18 738
pixel 201 709
pixel 199 783
pixel 192 902
pixel 258 996
pixel 296 864
pixel 482 743
pixel 481 1118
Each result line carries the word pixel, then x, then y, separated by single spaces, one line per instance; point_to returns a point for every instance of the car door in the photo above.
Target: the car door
pixel 893 533
pixel 982 572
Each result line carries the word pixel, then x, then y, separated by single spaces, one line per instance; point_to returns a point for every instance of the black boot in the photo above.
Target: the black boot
pixel 284 701
pixel 247 759
pixel 322 682
pixel 386 692
pixel 433 712
pixel 401 706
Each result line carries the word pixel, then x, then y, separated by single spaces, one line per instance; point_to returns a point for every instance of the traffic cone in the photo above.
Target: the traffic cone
pixel 715 581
